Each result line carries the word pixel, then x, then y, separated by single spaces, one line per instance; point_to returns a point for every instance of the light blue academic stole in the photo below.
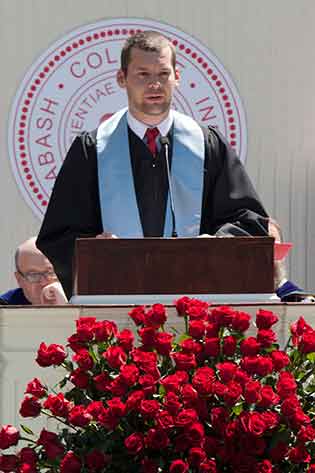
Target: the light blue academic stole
pixel 119 210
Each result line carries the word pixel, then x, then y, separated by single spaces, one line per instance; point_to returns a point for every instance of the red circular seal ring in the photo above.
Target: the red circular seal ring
pixel 72 87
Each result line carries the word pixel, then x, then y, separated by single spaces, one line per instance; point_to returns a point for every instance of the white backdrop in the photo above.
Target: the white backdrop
pixel 267 47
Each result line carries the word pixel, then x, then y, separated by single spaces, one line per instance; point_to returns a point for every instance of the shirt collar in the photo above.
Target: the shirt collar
pixel 139 128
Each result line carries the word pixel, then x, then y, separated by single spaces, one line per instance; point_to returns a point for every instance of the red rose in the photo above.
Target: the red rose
pixel 196 433
pixel 28 455
pixel 51 443
pixel 8 463
pixel 163 343
pixel 203 379
pixel 182 305
pixel 185 418
pixel 286 385
pixel 30 407
pixel 102 382
pixel 196 329
pixel 171 403
pixel 95 408
pixel 265 319
pixel 226 370
pixel 149 408
pixel 241 321
pixel 233 393
pixel 229 345
pixel 58 405
pixel 125 339
pixel 70 463
pixel 129 374
pixel 9 436
pixel 264 466
pixel 196 456
pixel 156 316
pixel 36 388
pixel 212 330
pixel 191 346
pixel 208 466
pixel 96 460
pixel 249 346
pixel 148 384
pixel 85 328
pixel 189 395
pixel 212 346
pixel 27 468
pixel 298 328
pixel 307 342
pixel 50 355
pixel 116 406
pixel 197 309
pixel 184 361
pixel 164 420
pixel 252 392
pixel 253 423
pixel 290 405
pixel 178 466
pixel 264 365
pixel 79 416
pixel 80 378
pixel 266 337
pixel 104 330
pixel 171 383
pixel 271 419
pixel 108 419
pixel 115 357
pixel 157 439
pixel 83 359
pixel 280 359
pixel 118 387
pixel 223 315
pixel 133 401
pixel 299 454
pixel 268 397
pixel 137 314
pixel 147 335
pixel 306 434
pixel 278 452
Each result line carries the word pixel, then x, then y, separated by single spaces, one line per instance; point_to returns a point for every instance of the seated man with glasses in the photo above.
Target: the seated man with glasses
pixel 38 283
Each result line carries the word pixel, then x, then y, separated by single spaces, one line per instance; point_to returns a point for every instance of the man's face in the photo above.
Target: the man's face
pixel 150 82
pixel 30 263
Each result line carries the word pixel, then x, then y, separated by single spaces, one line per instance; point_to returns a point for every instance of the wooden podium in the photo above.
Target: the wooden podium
pixel 173 266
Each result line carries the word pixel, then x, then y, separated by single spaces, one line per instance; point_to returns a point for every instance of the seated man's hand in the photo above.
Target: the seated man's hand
pixel 106 235
pixel 53 294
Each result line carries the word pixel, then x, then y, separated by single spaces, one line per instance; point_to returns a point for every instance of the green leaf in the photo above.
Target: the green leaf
pixel 183 337
pixel 311 357
pixel 237 409
pixel 27 430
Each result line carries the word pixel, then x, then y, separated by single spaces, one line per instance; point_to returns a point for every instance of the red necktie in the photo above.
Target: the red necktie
pixel 151 135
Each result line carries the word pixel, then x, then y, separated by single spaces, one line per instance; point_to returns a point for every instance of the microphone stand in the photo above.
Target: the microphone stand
pixel 165 145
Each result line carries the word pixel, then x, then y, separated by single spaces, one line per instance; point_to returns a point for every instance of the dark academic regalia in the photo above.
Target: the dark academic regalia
pixel 14 297
pixel 230 205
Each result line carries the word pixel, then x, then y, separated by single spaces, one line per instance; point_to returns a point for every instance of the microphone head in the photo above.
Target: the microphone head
pixel 164 140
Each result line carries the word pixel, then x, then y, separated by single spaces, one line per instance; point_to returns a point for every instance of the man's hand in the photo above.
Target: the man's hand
pixel 53 294
pixel 106 235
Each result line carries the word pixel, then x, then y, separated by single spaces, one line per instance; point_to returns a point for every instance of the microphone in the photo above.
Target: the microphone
pixel 165 145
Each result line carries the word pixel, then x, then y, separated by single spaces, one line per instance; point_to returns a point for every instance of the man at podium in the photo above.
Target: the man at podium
pixel 148 171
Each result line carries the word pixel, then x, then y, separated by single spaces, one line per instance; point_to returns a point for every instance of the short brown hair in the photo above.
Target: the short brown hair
pixel 149 40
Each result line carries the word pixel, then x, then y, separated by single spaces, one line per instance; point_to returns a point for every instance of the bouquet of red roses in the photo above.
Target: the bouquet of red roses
pixel 208 400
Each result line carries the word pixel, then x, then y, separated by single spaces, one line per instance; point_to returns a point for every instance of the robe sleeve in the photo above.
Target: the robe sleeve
pixel 73 211
pixel 231 206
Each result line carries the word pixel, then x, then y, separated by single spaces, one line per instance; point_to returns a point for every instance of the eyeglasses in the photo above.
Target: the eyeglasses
pixel 33 277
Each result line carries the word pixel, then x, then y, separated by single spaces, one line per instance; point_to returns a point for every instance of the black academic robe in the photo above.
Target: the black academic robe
pixel 230 204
